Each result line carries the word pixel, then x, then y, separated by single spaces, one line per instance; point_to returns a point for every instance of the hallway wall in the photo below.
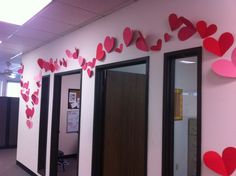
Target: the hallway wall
pixel 150 17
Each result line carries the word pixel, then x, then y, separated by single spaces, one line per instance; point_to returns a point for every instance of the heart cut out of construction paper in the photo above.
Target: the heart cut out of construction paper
pixel 81 61
pixel 21 70
pixel 119 49
pixel 24 96
pixel 141 43
pixel 29 112
pixel 225 67
pixel 158 46
pixel 167 37
pixel 223 165
pixel 41 63
pixel 75 55
pixel 92 63
pixel 185 33
pixel 69 54
pixel 89 72
pixel 64 62
pixel 109 43
pixel 128 35
pixel 174 21
pixel 84 67
pixel 35 99
pixel 204 30
pixel 100 54
pixel 29 124
pixel 219 47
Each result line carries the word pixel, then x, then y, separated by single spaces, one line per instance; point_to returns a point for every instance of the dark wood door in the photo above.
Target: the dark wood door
pixel 124 141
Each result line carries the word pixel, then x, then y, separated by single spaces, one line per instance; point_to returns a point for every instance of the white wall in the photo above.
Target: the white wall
pixel 68 142
pixel 151 17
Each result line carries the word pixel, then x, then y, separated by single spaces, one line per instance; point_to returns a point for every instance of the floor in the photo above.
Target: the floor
pixel 8 165
pixel 70 168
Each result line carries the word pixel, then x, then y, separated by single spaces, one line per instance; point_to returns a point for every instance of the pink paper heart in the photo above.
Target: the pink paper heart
pixel 225 67
pixel 81 61
pixel 29 124
pixel 90 73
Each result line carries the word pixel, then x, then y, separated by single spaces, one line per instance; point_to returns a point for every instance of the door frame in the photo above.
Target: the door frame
pixel 41 122
pixel 99 110
pixel 168 108
pixel 56 119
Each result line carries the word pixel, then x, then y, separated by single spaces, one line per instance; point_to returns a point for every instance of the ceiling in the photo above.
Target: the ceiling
pixel 54 21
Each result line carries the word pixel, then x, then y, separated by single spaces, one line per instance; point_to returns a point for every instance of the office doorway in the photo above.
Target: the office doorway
pixel 120 119
pixel 66 123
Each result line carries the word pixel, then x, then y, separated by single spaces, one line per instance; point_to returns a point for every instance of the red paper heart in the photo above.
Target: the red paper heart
pixel 219 47
pixel 64 62
pixel 34 99
pixel 174 22
pixel 119 49
pixel 29 124
pixel 38 84
pixel 141 43
pixel 41 63
pixel 21 70
pixel 214 161
pixel 109 44
pixel 52 67
pixel 229 158
pixel 167 37
pixel 76 54
pixel 185 33
pixel 68 53
pixel 60 63
pixel 84 67
pixel 128 36
pixel 100 52
pixel 205 31
pixel 46 66
pixel 187 22
pixel 57 67
pixel 89 72
pixel 158 46
pixel 81 61
pixel 92 63
pixel 36 92
pixel 24 96
pixel 25 85
pixel 29 112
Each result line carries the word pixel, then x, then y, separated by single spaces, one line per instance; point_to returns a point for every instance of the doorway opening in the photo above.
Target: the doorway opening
pixel 181 144
pixel 66 123
pixel 121 119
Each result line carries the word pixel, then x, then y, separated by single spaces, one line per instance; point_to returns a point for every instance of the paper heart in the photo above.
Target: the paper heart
pixel 214 161
pixel 41 63
pixel 158 46
pixel 35 99
pixel 229 158
pixel 219 47
pixel 46 66
pixel 119 49
pixel 56 65
pixel 89 72
pixel 225 67
pixel 141 43
pixel 27 91
pixel 167 37
pixel 81 61
pixel 60 62
pixel 36 92
pixel 68 53
pixel 128 36
pixel 76 54
pixel 21 70
pixel 29 112
pixel 52 67
pixel 205 31
pixel 174 22
pixel 109 43
pixel 25 85
pixel 64 62
pixel 92 63
pixel 29 124
pixel 24 96
pixel 185 33
pixel 187 22
pixel 100 54
pixel 84 67
pixel 38 84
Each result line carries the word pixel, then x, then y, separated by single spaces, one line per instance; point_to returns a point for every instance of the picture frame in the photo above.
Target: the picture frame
pixel 73 98
pixel 72 121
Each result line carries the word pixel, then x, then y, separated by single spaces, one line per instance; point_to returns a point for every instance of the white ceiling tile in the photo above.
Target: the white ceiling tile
pixel 47 25
pixel 35 34
pixel 65 13
pixel 98 6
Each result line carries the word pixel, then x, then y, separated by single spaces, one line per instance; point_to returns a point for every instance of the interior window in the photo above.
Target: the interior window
pixel 13 89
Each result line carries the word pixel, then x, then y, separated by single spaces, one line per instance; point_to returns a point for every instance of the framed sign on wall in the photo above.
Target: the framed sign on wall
pixel 72 125
pixel 73 98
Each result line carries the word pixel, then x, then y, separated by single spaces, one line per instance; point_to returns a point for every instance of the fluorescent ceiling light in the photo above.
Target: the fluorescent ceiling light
pixel 0 41
pixel 16 55
pixel 188 62
pixel 20 11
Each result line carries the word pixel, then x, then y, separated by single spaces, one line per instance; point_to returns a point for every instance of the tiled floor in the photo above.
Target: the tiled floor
pixel 8 165
pixel 70 168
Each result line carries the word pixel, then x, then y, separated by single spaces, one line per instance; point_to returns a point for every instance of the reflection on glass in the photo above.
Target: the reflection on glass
pixel 185 121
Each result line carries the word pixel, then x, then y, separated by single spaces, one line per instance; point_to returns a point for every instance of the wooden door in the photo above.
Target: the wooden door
pixel 124 140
